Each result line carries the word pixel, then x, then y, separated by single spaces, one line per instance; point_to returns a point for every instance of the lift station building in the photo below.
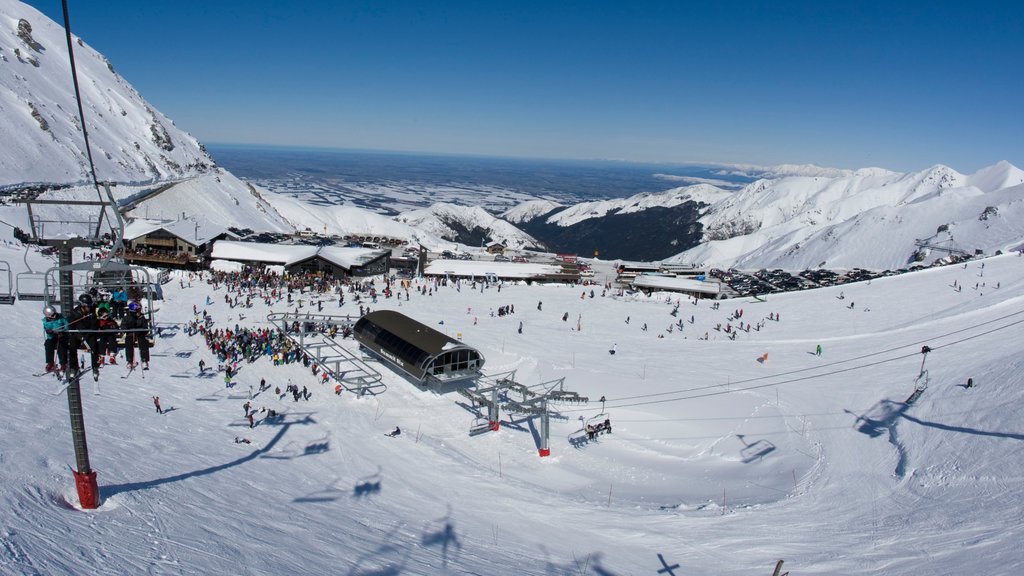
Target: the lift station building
pixel 423 353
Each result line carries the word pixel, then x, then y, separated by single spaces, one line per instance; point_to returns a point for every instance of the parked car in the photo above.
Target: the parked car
pixel 520 259
pixel 501 258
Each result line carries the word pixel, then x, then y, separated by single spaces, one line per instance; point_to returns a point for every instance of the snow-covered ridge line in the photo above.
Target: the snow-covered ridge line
pixel 131 141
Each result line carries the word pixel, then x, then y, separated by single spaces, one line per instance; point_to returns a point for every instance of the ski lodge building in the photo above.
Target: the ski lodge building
pixel 484 270
pixel 417 350
pixel 336 261
pixel 170 243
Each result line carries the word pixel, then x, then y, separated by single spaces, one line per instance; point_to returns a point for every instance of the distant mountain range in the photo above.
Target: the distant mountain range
pixel 798 222
pixel 791 216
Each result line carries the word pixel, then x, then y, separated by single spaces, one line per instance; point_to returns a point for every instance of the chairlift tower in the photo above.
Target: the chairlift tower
pixel 85 476
pixel 69 233
pixel 65 234
pixel 532 403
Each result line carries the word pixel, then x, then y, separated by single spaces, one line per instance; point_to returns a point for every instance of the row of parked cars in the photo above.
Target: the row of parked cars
pixel 768 281
pixel 449 255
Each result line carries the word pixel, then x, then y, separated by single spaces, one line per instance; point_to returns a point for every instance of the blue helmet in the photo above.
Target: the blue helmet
pixel 134 307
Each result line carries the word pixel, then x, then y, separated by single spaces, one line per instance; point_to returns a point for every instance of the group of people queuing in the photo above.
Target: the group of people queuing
pixel 95 324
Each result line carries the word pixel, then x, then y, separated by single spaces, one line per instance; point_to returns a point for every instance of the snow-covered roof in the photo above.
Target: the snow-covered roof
pixel 482 268
pixel 289 254
pixel 677 284
pixel 191 231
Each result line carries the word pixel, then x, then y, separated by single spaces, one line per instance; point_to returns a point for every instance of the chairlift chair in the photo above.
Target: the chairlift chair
pixel 6 292
pixel 105 277
pixel 32 286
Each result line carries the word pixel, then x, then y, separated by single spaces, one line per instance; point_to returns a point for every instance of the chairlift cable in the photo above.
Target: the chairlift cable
pixel 119 237
pixel 812 376
pixel 78 97
pixel 815 368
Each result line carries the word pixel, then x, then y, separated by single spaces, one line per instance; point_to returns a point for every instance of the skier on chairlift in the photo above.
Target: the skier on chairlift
pixel 83 325
pixel 55 327
pixel 136 331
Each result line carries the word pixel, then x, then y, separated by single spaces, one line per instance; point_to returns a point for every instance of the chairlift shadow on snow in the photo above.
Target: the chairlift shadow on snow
pixel 114 489
pixel 756 450
pixel 444 538
pixel 880 419
pixel 963 430
pixel 386 550
pixel 368 486
pixel 330 493
pixel 317 447
pixel 212 397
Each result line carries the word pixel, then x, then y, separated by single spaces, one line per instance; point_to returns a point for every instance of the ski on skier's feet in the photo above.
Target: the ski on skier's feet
pixel 64 383
pixel 131 368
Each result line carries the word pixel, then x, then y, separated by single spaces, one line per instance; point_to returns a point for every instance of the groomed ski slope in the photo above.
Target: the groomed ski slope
pixel 718 462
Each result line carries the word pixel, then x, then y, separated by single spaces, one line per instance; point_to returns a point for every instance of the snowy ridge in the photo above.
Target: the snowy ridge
pixel 784 170
pixel 802 222
pixel 449 221
pixel 346 220
pixel 529 210
pixel 703 193
pixel 131 141
pixel 217 197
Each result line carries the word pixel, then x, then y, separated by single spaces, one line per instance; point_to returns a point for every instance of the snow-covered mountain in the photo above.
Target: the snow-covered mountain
pixel 803 222
pixel 529 210
pixel 217 197
pixel 349 220
pixel 799 221
pixel 469 225
pixel 648 226
pixel 42 138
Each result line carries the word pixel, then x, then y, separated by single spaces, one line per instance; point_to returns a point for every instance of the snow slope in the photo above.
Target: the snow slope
pixel 217 197
pixel 718 462
pixel 131 141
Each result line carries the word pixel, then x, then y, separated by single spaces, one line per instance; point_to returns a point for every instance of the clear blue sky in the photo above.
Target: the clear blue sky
pixel 902 85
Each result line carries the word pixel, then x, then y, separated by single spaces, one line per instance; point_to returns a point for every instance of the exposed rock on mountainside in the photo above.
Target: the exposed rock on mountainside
pixel 43 143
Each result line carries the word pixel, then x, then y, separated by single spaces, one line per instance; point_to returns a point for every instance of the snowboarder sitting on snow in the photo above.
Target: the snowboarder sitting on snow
pixel 397 431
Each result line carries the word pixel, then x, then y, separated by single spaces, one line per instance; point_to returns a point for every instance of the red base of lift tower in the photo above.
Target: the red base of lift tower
pixel 88 490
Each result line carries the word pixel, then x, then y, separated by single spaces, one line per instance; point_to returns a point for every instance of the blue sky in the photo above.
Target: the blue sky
pixel 902 85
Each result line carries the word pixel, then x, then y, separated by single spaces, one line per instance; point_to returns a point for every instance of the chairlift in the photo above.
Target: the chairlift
pixel 104 277
pixel 6 291
pixel 33 286
pixel 595 420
